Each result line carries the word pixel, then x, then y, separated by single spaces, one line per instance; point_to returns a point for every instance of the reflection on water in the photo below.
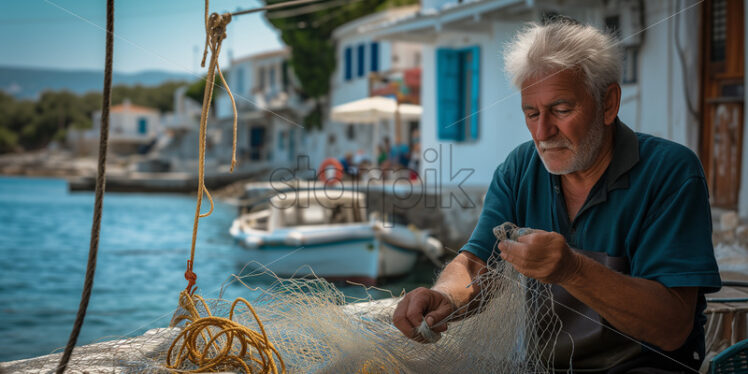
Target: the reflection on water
pixel 144 245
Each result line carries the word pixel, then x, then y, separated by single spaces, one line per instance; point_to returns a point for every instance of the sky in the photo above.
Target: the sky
pixel 149 34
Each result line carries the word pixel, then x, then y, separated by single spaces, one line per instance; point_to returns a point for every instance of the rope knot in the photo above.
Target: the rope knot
pixel 215 32
pixel 191 278
pixel 217 24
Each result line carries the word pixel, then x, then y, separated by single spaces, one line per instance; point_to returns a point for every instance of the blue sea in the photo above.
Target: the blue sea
pixel 145 241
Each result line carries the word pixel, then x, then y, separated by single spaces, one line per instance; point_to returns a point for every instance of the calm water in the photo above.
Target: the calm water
pixel 145 240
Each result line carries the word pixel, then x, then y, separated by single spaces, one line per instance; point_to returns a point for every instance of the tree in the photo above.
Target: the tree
pixel 27 124
pixel 307 29
pixel 196 89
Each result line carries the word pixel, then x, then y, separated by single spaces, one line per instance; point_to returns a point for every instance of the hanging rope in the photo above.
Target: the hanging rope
pixel 106 102
pixel 215 343
pixel 215 33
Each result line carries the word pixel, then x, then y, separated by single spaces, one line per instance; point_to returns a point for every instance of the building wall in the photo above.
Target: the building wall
pixel 654 104
pixel 241 84
pixel 658 100
pixel 124 124
pixel 501 123
pixel 392 55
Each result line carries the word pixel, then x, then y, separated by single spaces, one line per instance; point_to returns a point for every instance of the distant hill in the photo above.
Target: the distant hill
pixel 28 83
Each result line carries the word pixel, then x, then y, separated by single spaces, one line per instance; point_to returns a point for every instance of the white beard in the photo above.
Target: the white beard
pixel 585 153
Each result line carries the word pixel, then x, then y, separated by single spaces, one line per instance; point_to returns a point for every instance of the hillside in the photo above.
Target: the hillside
pixel 28 83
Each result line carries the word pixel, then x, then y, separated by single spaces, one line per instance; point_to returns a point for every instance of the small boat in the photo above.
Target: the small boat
pixel 328 234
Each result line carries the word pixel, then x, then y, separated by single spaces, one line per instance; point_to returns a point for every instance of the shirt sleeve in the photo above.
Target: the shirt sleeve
pixel 498 207
pixel 675 245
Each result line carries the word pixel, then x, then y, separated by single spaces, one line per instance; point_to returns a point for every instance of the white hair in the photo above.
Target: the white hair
pixel 545 49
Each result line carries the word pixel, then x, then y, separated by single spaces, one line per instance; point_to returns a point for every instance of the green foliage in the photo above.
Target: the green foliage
pixel 196 89
pixel 27 124
pixel 160 97
pixel 8 140
pixel 307 29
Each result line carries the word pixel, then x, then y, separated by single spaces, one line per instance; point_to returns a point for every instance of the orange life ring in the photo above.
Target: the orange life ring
pixel 326 164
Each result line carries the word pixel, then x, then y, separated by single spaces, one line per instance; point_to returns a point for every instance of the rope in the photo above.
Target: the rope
pixel 106 103
pixel 235 338
pixel 220 336
pixel 215 33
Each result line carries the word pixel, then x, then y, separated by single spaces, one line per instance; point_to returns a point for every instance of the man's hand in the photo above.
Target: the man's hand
pixel 418 304
pixel 541 255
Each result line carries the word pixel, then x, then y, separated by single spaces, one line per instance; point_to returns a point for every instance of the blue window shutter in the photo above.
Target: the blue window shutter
pixel 474 76
pixel 142 125
pixel 360 60
pixel 348 63
pixel 374 56
pixel 272 78
pixel 240 80
pixel 449 126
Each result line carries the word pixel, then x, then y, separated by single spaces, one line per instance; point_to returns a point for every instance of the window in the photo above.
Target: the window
pixel 458 93
pixel 142 125
pixel 239 80
pixel 613 25
pixel 284 74
pixel 272 78
pixel 348 63
pixel 630 53
pixel 261 78
pixel 630 58
pixel 281 140
pixel 350 132
pixel 374 56
pixel 360 61
pixel 719 31
pixel 256 142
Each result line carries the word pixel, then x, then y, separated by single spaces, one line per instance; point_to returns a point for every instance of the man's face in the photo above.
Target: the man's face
pixel 565 121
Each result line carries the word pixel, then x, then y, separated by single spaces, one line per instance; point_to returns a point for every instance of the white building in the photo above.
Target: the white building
pixel 471 114
pixel 132 130
pixel 270 129
pixel 358 56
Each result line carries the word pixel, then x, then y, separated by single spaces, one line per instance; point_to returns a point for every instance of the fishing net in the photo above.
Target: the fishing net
pixel 309 326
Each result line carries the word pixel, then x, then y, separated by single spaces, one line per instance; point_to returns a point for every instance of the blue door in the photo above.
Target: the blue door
pixel 256 142
pixel 142 125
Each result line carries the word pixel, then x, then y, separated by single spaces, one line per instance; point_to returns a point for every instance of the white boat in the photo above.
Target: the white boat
pixel 328 234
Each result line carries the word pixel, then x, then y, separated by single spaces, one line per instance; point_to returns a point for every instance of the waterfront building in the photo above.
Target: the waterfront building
pixel 271 111
pixel 133 130
pixel 368 67
pixel 679 82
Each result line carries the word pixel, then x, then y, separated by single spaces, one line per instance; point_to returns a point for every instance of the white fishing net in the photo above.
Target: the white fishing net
pixel 314 328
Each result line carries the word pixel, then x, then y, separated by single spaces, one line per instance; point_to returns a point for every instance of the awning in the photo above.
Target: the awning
pixel 372 110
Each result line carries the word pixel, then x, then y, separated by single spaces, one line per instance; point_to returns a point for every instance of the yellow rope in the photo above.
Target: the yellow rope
pixel 226 344
pixel 215 28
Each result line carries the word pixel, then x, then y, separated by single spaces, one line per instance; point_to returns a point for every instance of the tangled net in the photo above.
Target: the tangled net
pixel 309 323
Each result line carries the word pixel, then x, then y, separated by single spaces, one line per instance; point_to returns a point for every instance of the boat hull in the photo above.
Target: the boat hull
pixel 357 260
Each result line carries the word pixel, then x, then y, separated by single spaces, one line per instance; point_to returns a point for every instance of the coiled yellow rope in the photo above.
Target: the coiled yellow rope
pixel 216 343
pixel 209 342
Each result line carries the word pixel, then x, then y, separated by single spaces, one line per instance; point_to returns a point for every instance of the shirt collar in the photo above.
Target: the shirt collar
pixel 625 156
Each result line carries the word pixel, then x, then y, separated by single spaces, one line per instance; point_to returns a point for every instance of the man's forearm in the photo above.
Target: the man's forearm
pixel 641 308
pixel 457 275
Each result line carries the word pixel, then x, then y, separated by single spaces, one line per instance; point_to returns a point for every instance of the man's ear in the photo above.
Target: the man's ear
pixel 611 103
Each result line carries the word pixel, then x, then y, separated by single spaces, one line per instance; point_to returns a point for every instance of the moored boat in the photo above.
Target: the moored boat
pixel 310 232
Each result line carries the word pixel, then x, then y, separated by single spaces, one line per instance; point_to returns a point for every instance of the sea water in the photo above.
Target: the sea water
pixel 144 246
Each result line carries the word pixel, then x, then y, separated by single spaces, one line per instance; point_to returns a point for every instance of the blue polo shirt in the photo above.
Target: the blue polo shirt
pixel 648 216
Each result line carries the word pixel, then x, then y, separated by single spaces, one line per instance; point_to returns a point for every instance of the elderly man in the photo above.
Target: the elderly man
pixel 622 220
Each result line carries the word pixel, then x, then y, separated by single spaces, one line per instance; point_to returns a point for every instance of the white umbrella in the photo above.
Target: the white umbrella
pixel 372 110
